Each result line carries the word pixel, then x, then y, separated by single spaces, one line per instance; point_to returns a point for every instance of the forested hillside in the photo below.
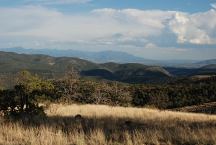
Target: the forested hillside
pixel 30 90
pixel 55 67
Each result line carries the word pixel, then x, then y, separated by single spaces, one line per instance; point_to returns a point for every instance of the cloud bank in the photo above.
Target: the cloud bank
pixel 199 28
pixel 36 27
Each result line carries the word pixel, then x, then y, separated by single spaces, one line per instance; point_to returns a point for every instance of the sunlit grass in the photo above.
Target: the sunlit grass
pixel 103 125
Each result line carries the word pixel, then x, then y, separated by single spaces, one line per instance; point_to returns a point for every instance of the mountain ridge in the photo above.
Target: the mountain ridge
pixel 129 72
pixel 11 62
pixel 101 56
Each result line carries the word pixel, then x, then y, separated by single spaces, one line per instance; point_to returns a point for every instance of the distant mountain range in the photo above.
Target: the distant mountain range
pixel 49 66
pixel 103 56
pixel 206 62
pixel 99 57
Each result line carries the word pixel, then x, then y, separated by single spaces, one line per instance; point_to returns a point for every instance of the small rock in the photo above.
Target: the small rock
pixel 78 117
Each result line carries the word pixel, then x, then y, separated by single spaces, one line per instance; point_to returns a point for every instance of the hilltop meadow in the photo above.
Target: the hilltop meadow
pixel 107 72
pixel 104 125
pixel 37 111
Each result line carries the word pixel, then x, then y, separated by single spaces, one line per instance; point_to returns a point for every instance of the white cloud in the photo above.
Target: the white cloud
pixel 139 22
pixel 50 24
pixel 151 46
pixel 198 28
pixel 102 28
pixel 213 5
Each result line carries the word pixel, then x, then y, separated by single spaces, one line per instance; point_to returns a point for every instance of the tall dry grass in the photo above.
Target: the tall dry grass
pixel 104 125
pixel 140 114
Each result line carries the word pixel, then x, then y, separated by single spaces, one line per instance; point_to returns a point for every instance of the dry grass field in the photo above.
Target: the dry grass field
pixel 104 125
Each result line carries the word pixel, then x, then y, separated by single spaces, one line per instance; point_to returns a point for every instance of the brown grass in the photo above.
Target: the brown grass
pixel 102 125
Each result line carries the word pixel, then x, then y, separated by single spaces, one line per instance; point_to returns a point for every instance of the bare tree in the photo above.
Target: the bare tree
pixel 71 78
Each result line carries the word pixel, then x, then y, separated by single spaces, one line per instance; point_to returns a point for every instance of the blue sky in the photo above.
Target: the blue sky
pixel 180 5
pixel 160 29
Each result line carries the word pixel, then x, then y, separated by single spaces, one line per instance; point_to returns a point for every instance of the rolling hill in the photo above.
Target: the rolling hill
pixel 12 62
pixel 189 72
pixel 99 57
pixel 103 56
pixel 206 62
pixel 210 66
pixel 130 72
pixel 48 66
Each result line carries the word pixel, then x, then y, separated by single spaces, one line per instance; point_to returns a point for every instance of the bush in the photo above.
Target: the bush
pixel 141 97
pixel 21 100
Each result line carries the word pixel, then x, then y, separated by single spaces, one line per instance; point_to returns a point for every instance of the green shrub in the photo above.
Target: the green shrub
pixel 22 98
pixel 141 97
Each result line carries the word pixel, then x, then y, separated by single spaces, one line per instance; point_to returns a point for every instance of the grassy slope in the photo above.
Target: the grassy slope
pixel 101 125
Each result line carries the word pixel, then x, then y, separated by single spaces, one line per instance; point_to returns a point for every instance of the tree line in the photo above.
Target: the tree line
pixel 30 90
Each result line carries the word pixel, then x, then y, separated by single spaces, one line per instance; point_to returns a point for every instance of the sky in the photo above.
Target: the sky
pixel 159 29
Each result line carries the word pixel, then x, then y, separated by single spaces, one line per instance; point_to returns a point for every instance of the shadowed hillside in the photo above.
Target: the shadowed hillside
pixel 209 108
pixel 49 66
